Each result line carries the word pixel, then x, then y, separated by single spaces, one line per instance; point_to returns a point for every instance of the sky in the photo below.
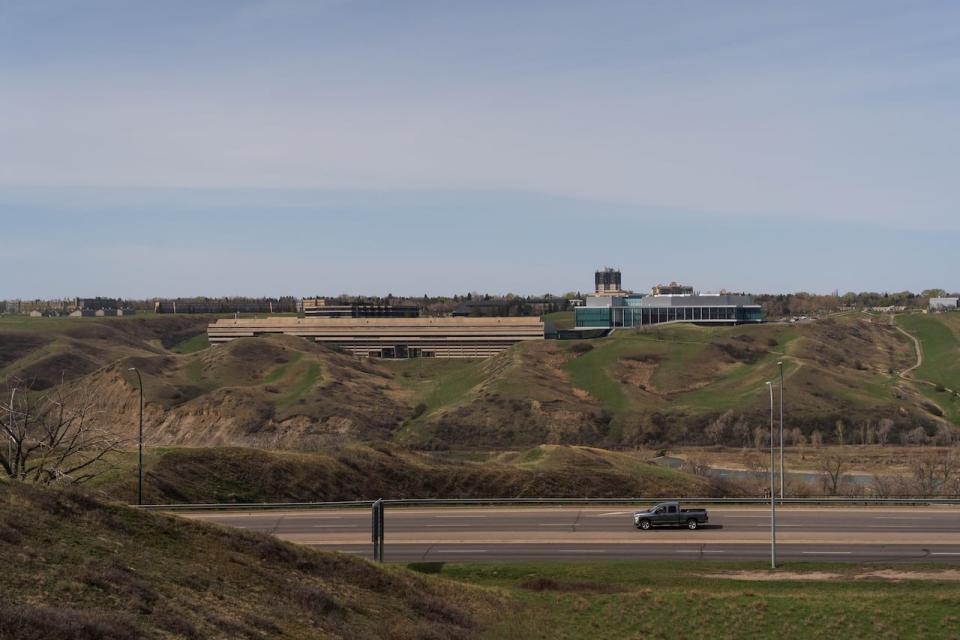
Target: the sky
pixel 343 146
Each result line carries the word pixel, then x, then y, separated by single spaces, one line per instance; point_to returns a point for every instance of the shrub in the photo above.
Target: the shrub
pixel 581 347
pixel 418 411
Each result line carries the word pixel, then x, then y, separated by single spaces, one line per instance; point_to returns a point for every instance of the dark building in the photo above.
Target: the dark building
pixel 607 281
pixel 318 308
pixel 227 305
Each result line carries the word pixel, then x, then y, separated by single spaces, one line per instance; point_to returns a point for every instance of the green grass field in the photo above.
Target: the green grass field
pixel 939 334
pixel 666 599
pixel 196 343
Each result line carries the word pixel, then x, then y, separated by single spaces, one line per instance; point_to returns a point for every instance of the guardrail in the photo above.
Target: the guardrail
pixel 447 502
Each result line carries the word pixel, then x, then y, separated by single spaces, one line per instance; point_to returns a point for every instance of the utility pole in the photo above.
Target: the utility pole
pixel 780 364
pixel 773 497
pixel 140 440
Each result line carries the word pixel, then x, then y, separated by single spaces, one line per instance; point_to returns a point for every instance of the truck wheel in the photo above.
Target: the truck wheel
pixel 692 524
pixel 643 524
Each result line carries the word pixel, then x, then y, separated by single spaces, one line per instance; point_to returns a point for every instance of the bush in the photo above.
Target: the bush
pixel 418 411
pixel 581 347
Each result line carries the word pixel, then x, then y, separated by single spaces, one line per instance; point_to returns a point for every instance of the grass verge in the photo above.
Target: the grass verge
pixel 660 599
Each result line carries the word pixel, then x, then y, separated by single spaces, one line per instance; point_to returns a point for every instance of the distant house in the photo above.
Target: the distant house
pixel 944 304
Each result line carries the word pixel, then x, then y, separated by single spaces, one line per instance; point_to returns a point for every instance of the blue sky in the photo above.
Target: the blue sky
pixel 327 146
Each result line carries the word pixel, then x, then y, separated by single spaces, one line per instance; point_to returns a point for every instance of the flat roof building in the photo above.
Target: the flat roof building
pixel 678 304
pixel 943 304
pixel 319 308
pixel 392 337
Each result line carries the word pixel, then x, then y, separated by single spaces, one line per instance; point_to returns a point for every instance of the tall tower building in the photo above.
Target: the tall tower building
pixel 607 282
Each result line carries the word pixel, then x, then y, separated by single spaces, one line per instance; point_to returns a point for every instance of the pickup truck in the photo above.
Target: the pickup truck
pixel 669 514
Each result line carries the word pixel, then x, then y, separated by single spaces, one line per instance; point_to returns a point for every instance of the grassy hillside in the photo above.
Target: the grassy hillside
pixel 939 334
pixel 667 384
pixel 76 568
pixel 664 385
pixel 357 472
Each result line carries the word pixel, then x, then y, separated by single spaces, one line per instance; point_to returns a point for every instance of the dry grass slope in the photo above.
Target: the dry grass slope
pixel 76 568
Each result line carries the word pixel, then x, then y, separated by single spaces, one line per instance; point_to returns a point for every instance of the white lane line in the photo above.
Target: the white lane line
pixel 696 551
pixel 945 553
pixel 612 513
pixel 549 524
pixel 459 516
pixel 581 551
pixel 887 526
pixel 335 526
pixel 766 516
pixel 460 551
pixel 446 526
pixel 901 518
pixel 827 553
pixel 767 526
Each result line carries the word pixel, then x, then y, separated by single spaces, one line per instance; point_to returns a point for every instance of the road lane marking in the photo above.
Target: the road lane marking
pixel 827 553
pixel 763 516
pixel 550 524
pixel 460 551
pixel 459 516
pixel 696 551
pixel 581 550
pixel 945 553
pixel 335 526
pixel 446 526
pixel 612 513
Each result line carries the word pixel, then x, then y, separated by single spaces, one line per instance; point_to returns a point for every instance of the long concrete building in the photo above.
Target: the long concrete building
pixel 392 337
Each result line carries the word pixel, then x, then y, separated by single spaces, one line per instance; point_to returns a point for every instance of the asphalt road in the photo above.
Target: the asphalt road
pixel 859 534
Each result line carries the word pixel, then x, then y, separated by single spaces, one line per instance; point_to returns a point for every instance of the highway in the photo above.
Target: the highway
pixel 856 534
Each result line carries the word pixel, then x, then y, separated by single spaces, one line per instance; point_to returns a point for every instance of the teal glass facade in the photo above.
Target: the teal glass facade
pixel 629 313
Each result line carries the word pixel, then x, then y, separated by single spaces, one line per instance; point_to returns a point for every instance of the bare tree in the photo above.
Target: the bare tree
pixel 934 473
pixel 52 436
pixel 816 438
pixel 840 429
pixel 696 465
pixel 883 431
pixel 833 464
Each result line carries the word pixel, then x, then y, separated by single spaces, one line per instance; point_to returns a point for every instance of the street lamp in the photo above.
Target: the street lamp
pixel 780 364
pixel 140 458
pixel 773 498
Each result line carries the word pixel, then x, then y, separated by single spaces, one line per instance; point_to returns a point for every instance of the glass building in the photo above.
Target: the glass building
pixel 638 311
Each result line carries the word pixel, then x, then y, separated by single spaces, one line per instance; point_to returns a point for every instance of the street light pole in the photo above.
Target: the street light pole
pixel 140 441
pixel 773 497
pixel 780 364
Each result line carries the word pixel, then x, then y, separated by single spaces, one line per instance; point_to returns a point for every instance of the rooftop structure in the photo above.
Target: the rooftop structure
pixel 672 289
pixel 607 281
pixel 318 308
pixel 392 337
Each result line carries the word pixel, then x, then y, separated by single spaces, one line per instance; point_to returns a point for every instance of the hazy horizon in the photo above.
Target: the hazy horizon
pixel 288 147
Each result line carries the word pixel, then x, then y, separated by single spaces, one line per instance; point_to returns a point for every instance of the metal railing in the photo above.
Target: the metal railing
pixel 449 502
